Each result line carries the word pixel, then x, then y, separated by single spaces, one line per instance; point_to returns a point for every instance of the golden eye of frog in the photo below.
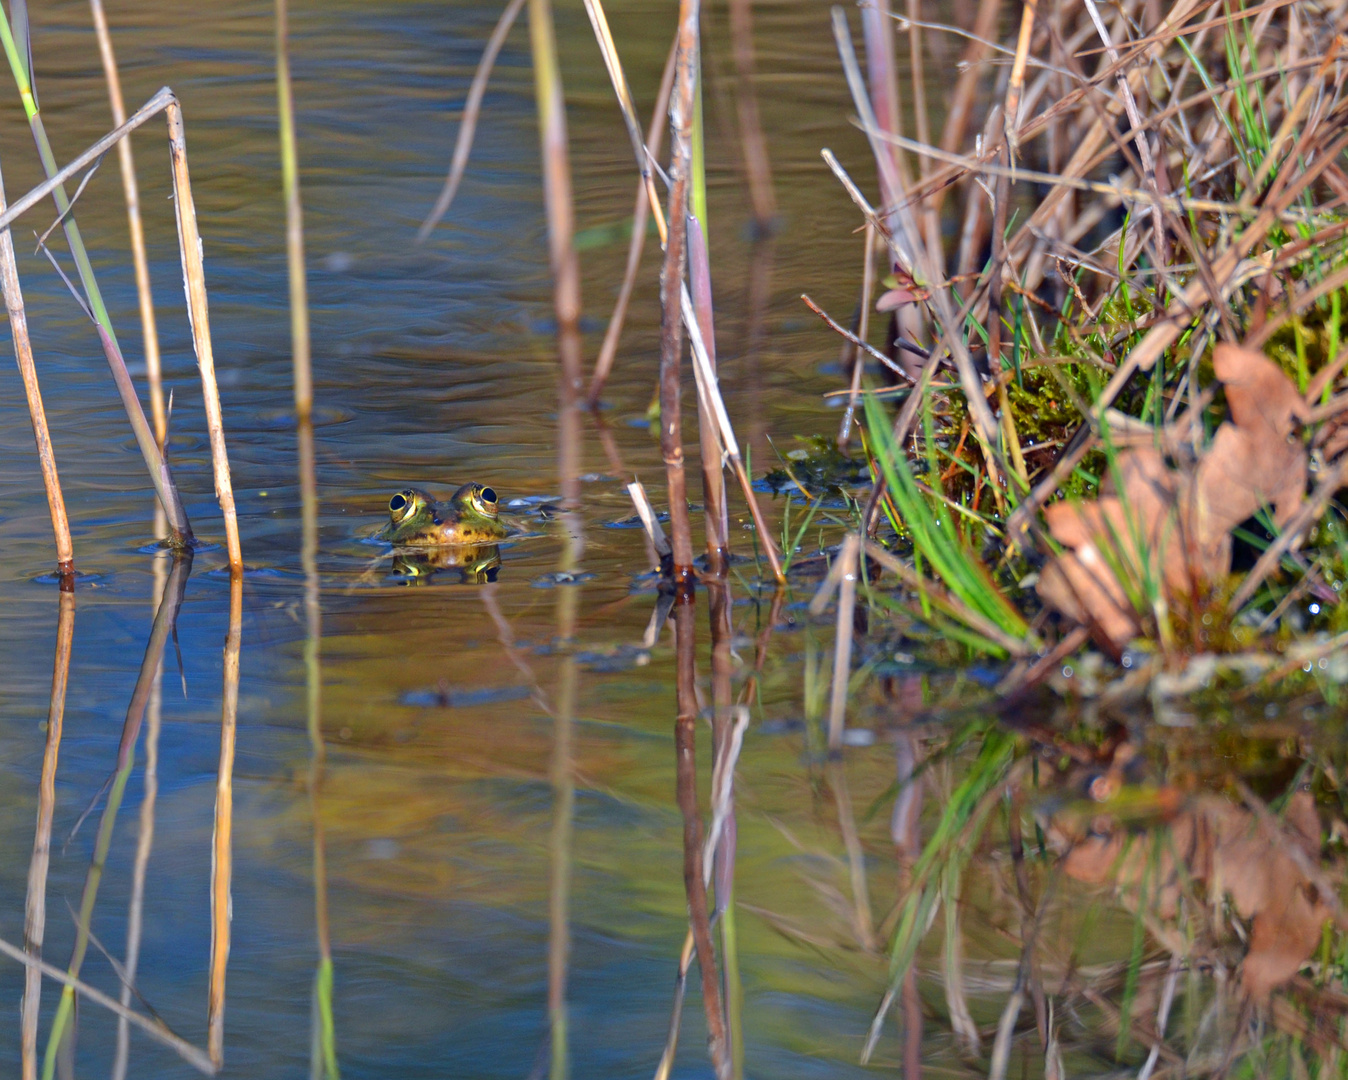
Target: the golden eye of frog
pixel 417 520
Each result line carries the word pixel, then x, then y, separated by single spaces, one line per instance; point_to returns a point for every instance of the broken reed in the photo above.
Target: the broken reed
pixel 194 285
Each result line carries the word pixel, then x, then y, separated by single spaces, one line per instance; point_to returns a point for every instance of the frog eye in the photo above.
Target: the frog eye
pixel 397 503
pixel 485 498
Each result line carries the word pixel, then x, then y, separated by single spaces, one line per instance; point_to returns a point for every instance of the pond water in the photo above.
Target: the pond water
pixel 493 780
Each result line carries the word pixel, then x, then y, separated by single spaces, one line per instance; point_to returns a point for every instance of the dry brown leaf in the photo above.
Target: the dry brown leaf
pixel 1156 524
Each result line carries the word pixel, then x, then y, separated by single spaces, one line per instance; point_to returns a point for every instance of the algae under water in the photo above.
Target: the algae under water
pixel 445 770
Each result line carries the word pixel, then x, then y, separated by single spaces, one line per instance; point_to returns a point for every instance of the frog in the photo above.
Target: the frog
pixel 468 518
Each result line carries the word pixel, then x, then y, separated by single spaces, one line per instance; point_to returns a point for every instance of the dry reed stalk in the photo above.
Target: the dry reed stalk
pixel 753 146
pixel 472 109
pixel 152 1026
pixel 685 748
pixel 160 476
pixel 127 162
pixel 715 512
pixel 709 393
pixel 849 558
pixel 561 236
pixel 35 904
pixel 649 521
pixel 608 351
pixel 23 354
pixel 672 290
pixel 863 328
pixel 899 231
pixel 599 21
pixel 222 836
pixel 194 285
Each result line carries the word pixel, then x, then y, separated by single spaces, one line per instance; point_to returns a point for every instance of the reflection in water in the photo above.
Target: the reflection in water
pixel 222 861
pixel 476 565
pixel 164 621
pixel 145 840
pixel 35 910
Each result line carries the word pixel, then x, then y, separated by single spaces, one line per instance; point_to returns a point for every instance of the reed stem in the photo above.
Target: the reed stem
pixel 180 531
pixel 194 285
pixel 290 186
pixel 671 289
pixel 561 238
pixel 23 354
pixel 127 162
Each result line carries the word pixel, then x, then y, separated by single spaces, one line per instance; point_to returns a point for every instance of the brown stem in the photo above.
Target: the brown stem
pixel 23 354
pixel 139 260
pixel 671 289
pixel 608 351
pixel 194 284
pixel 715 512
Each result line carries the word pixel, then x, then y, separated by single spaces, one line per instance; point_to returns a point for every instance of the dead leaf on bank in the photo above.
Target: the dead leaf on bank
pixel 1161 530
pixel 1230 852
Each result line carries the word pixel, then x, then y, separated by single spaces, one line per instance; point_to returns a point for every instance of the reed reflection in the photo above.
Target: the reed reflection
pixel 222 864
pixel 35 908
pixel 164 622
pixel 145 839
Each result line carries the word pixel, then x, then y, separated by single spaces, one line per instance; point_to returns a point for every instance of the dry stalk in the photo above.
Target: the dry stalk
pixel 127 162
pixel 608 351
pixel 194 285
pixel 848 556
pixel 23 354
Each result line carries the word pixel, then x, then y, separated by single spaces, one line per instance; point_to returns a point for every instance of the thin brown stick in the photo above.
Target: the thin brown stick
pixel 672 289
pixel 222 839
pixel 715 512
pixel 472 108
pixel 863 325
pixel 709 393
pixel 194 285
pixel 23 354
pixel 608 351
pixel 127 162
